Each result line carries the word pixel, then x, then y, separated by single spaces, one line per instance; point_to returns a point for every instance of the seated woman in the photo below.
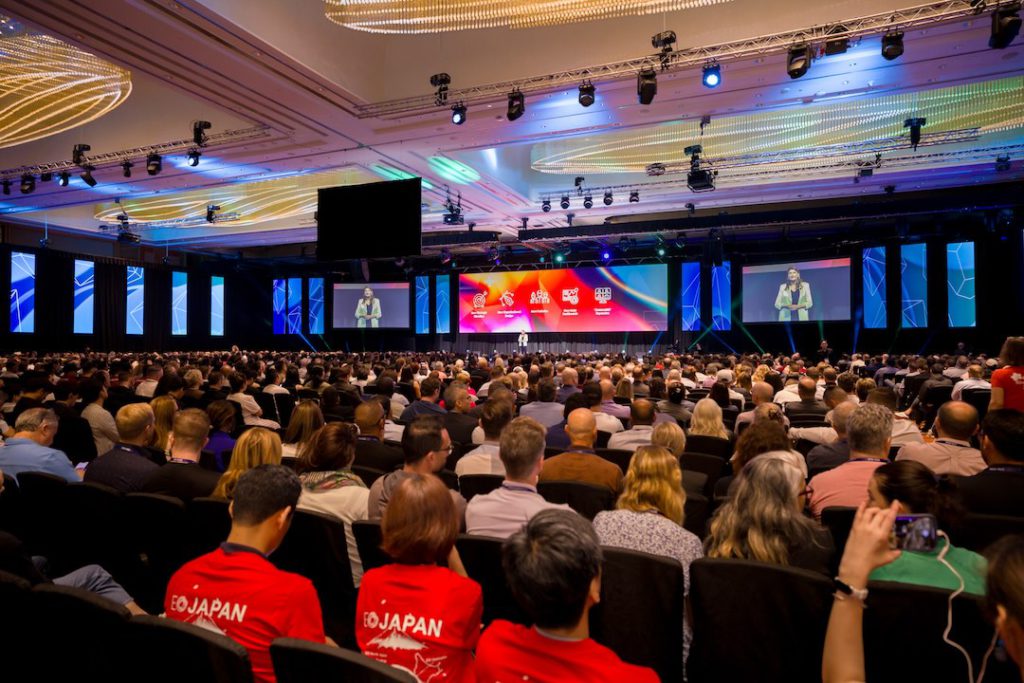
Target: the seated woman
pixel 707 433
pixel 255 447
pixel 757 439
pixel 649 515
pixel 306 419
pixel 415 615
pixel 624 392
pixel 252 414
pixel 193 394
pixel 328 485
pixel 764 520
pixel 222 423
pixel 164 410
pixel 919 492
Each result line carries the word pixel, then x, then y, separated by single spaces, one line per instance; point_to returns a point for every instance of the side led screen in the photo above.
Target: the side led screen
pixel 294 305
pixel 85 280
pixel 179 303
pixel 721 296
pixel 217 306
pixel 135 304
pixel 422 304
pixel 316 305
pixel 960 284
pixel 23 292
pixel 279 301
pixel 873 264
pixel 914 284
pixel 689 297
pixel 443 303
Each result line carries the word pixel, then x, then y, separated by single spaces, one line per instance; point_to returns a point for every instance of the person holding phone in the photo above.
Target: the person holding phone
pixel 368 309
pixel 794 296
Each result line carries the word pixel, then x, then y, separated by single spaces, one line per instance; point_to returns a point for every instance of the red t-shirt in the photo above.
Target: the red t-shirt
pixel 512 653
pixel 239 593
pixel 422 619
pixel 1011 380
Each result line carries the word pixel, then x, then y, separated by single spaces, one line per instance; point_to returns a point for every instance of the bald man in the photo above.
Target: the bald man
pixel 760 392
pixel 808 406
pixel 641 427
pixel 371 451
pixel 608 404
pixel 834 453
pixel 580 462
pixel 952 452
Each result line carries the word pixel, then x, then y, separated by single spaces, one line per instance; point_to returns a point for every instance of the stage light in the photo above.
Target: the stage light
pixel 798 61
pixel 914 125
pixel 211 213
pixel 126 168
pixel 154 164
pixel 493 254
pixel 1003 163
pixel 565 201
pixel 28 184
pixel 516 105
pixel 608 198
pixel 634 196
pixel 7 186
pixel 441 81
pixel 542 258
pixel 86 176
pixel 459 114
pixel 892 45
pixel 624 244
pixel 45 177
pixel 712 76
pixel 545 205
pixel 606 254
pixel 1005 26
pixel 63 179
pixel 78 153
pixel 661 250
pixel 646 85
pixel 588 202
pixel 193 157
pixel 199 129
pixel 559 258
pixel 586 93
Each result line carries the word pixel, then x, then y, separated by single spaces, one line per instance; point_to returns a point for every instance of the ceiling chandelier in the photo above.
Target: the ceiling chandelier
pixel 427 16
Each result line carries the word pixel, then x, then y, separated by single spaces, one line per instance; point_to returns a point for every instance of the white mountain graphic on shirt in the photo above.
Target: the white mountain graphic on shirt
pixel 396 640
pixel 203 622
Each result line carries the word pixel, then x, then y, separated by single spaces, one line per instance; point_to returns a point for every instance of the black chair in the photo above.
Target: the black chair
pixel 172 651
pixel 911 388
pixel 697 394
pixel 158 536
pixel 16 598
pixel 239 426
pixel 838 520
pixel 804 446
pixel 406 389
pixel 586 499
pixel 711 445
pixel 979 398
pixel 41 495
pixel 12 516
pixel 933 398
pixel 550 452
pixel 640 615
pixel 696 512
pixel 478 484
pixel 893 452
pixel 619 456
pixel 782 612
pixel 268 405
pixel 285 404
pixel 94 531
pixel 602 439
pixel 450 479
pixel 710 466
pixel 481 556
pixel 368 541
pixel 808 421
pixel 208 461
pixel 979 531
pixel 308 395
pixel 315 547
pixel 210 524
pixel 367 474
pixel 299 661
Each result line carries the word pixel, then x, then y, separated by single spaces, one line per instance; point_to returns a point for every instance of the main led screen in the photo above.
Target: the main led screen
pixel 808 290
pixel 372 304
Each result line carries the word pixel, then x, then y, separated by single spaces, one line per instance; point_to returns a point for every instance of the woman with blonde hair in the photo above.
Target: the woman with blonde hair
pixel 669 435
pixel 707 433
pixel 624 390
pixel 306 419
pixel 164 410
pixel 648 516
pixel 255 447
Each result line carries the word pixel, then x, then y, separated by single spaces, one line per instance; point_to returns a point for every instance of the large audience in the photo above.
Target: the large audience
pixel 685 456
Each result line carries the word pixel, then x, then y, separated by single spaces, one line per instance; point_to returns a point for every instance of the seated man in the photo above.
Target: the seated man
pixel 580 462
pixel 427 403
pixel 641 427
pixel 553 567
pixel 503 512
pixel 952 452
pixel 998 490
pixel 127 466
pixel 545 409
pixel 973 380
pixel 557 436
pixel 904 430
pixel 371 451
pixel 605 422
pixel 458 421
pixel 182 477
pixel 760 392
pixel 29 449
pixel 833 453
pixel 235 590
pixel 495 415
pixel 808 405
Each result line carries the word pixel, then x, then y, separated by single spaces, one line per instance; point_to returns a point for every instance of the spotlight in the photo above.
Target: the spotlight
pixel 608 199
pixel 63 179
pixel 565 202
pixel 28 184
pixel 193 157
pixel 606 254
pixel 915 130
pixel 646 85
pixel 624 244
pixel 459 114
pixel 1003 163
pixel 199 129
pixel 45 177
pixel 586 93
pixel 661 250
pixel 559 257
pixel 1005 26
pixel 892 45
pixel 798 61
pixel 588 202
pixel 86 176
pixel 126 167
pixel 6 185
pixel 663 40
pixel 44 243
pixel 78 153
pixel 516 105
pixel 211 213
pixel 154 164
pixel 712 76
pixel 441 82
pixel 634 196
pixel 545 205
pixel 492 253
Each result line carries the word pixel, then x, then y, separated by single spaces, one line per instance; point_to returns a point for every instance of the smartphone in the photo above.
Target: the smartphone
pixel 915 532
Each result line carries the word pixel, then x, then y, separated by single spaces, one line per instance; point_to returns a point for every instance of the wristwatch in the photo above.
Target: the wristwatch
pixel 845 590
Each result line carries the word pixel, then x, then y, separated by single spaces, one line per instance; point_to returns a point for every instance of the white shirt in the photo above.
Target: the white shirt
pixel 505 510
pixel 787 394
pixel 251 411
pixel 146 388
pixel 274 389
pixel 548 414
pixel 104 428
pixel 970 383
pixel 481 460
pixel 608 423
pixel 631 439
pixel 392 431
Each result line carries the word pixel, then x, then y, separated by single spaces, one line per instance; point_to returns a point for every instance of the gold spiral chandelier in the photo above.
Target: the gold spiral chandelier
pixel 431 16
pixel 50 87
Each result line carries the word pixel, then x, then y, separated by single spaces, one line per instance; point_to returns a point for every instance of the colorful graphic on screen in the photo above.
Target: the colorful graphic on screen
pixel 279 300
pixel 422 304
pixel 85 286
pixel 914 284
pixel 873 270
pixel 216 306
pixel 960 284
pixel 689 297
pixel 135 301
pixel 316 305
pixel 443 303
pixel 721 296
pixel 371 305
pixel 608 299
pixel 294 305
pixel 797 291
pixel 23 292
pixel 179 303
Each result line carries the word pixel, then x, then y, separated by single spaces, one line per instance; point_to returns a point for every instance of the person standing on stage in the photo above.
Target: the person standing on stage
pixel 368 308
pixel 794 295
pixel 523 339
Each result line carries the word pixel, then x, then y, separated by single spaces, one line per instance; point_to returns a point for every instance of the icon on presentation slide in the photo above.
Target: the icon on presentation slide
pixel 571 295
pixel 540 297
pixel 602 295
pixel 479 300
pixel 507 298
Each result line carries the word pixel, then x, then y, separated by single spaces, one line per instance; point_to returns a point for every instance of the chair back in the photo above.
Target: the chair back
pixel 979 398
pixel 979 531
pixel 602 439
pixel 708 465
pixel 268 405
pixel 697 394
pixel 619 456
pixel 12 516
pixel 839 521
pixel 285 404
pixel 41 499
pixel 479 484
pixel 640 615
pixel 696 513
pixel 550 451
pixel 481 556
pixel 406 389
pixel 300 661
pixel 450 479
pixel 158 536
pixel 782 612
pixel 368 541
pixel 186 653
pixel 367 474
pixel 586 499
pixel 711 445
pixel 210 523
pixel 97 534
pixel 16 598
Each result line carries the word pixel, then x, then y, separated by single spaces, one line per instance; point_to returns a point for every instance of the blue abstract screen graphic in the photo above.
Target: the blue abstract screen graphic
pixel 914 284
pixel 443 303
pixel 23 292
pixel 422 304
pixel 873 264
pixel 179 303
pixel 689 299
pixel 316 304
pixel 216 306
pixel 85 280
pixel 721 296
pixel 960 284
pixel 279 299
pixel 135 304
pixel 294 305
